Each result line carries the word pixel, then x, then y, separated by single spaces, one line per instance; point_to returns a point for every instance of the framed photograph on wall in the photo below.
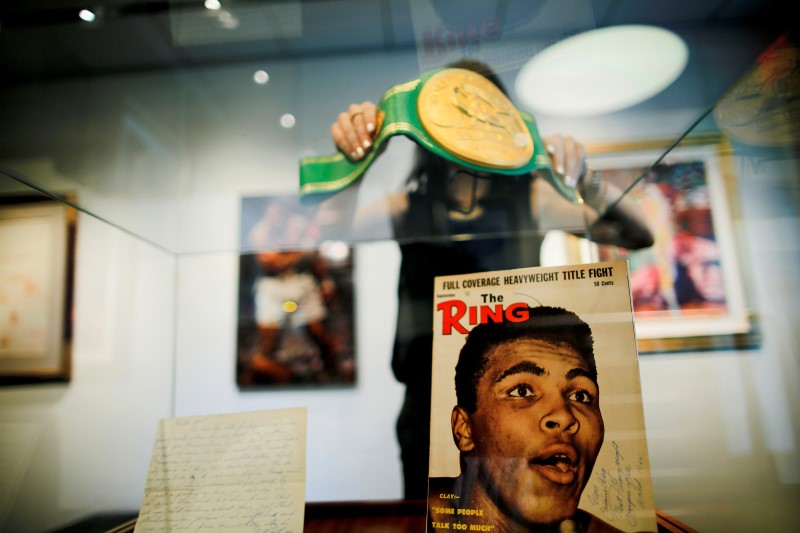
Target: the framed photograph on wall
pixel 296 322
pixel 37 238
pixel 688 290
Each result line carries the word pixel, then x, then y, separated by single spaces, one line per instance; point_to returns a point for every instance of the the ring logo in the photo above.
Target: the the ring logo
pixel 455 311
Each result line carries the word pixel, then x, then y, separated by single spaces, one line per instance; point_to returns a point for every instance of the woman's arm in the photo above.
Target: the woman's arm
pixel 613 218
pixel 603 218
pixel 341 217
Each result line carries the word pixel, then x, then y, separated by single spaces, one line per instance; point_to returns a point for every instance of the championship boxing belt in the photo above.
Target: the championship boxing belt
pixel 455 113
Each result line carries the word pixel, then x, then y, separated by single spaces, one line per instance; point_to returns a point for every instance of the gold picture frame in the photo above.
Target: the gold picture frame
pixel 689 292
pixel 37 237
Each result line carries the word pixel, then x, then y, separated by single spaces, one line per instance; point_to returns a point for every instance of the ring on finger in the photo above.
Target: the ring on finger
pixel 354 115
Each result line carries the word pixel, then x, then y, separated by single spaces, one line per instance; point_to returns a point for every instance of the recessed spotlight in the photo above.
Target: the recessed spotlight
pixel 288 120
pixel 212 4
pixel 86 15
pixel 601 71
pixel 261 77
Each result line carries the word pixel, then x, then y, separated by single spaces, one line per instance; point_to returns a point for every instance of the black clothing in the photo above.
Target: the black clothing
pixel 503 237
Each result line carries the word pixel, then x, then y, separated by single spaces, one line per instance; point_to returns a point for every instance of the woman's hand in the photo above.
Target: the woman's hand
pixel 568 156
pixel 355 129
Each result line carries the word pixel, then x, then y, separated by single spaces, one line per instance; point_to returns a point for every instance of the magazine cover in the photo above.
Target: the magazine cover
pixel 536 416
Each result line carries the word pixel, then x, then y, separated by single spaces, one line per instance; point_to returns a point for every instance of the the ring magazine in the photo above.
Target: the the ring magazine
pixel 536 417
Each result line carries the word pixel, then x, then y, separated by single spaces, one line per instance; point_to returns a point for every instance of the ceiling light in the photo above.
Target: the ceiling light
pixel 212 4
pixel 288 120
pixel 261 77
pixel 86 15
pixel 601 71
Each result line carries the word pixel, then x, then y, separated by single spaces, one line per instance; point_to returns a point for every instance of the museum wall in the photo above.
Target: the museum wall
pixel 164 158
pixel 83 447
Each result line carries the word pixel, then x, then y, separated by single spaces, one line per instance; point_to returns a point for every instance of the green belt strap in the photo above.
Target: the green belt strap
pixel 324 176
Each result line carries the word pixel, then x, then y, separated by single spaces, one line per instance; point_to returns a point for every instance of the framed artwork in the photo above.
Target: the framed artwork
pixel 296 324
pixel 687 289
pixel 37 238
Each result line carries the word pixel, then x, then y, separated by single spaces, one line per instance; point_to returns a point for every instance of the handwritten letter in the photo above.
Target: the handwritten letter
pixel 238 472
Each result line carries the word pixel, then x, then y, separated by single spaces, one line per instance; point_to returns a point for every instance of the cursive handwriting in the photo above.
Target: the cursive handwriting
pixel 239 472
pixel 618 491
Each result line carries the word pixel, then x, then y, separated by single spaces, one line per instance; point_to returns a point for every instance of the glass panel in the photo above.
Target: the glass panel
pixel 712 312
pixel 65 440
pixel 177 131
pixel 165 114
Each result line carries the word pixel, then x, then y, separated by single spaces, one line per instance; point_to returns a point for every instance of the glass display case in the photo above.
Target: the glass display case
pixel 171 136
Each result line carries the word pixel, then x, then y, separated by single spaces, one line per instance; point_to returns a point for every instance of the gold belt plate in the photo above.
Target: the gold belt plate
pixel 471 118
